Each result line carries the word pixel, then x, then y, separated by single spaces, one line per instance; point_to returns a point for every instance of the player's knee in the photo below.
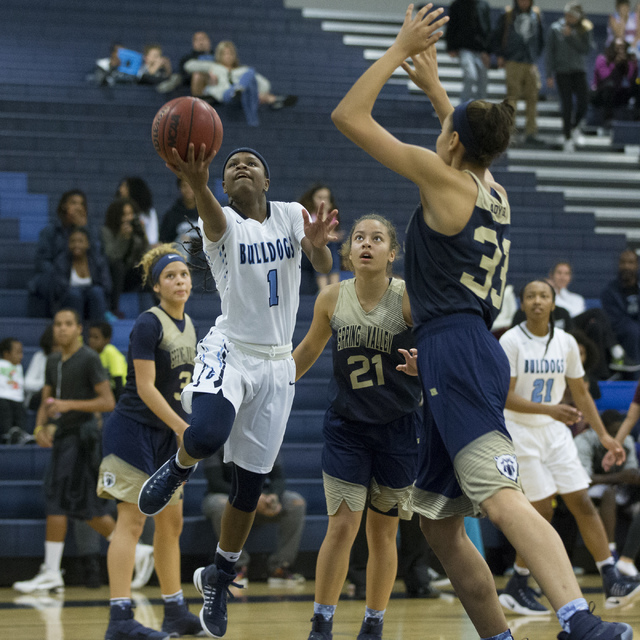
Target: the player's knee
pixel 246 488
pixel 211 421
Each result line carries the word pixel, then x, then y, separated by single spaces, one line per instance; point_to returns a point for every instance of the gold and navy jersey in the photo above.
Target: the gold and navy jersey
pixel 171 344
pixel 365 386
pixel 463 273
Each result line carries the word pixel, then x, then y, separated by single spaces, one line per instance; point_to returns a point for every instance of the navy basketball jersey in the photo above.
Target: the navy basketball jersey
pixel 365 386
pixel 464 273
pixel 172 345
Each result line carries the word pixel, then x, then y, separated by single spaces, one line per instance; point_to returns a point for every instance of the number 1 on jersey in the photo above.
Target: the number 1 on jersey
pixel 272 279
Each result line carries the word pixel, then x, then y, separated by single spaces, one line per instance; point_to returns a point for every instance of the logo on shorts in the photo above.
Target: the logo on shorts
pixel 508 466
pixel 433 392
pixel 108 479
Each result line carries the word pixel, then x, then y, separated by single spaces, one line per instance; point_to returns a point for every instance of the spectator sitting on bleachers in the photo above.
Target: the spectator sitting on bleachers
pixel 518 41
pixel 138 190
pixel 156 68
pixel 52 242
pixel 227 80
pixel 569 41
pixel 81 278
pixel 623 24
pixel 202 51
pixel 124 242
pixel 615 80
pixel 621 302
pixel 611 488
pixel 174 226
pixel 594 322
pixel 276 505
pixel 34 376
pixel 119 68
pixel 112 359
pixel 311 200
pixel 12 412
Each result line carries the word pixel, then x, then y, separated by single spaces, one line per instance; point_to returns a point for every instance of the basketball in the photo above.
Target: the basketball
pixel 182 121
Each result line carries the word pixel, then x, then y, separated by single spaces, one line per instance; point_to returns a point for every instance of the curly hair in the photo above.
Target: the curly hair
pixel 149 259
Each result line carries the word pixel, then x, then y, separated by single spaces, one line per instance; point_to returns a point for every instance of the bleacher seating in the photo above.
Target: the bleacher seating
pixel 58 132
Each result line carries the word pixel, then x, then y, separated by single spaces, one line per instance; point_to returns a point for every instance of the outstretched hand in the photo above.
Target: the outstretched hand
pixel 410 366
pixel 195 170
pixel 424 73
pixel 320 231
pixel 420 32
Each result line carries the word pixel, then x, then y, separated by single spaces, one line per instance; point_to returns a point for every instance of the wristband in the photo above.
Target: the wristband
pixel 38 429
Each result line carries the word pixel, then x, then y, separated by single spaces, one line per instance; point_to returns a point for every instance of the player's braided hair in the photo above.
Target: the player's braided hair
pixel 551 322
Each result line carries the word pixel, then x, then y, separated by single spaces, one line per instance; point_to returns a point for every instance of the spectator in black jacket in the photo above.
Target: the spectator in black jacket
pixel 277 505
pixel 468 39
pixel 81 278
pixel 518 41
pixel 53 241
pixel 621 302
pixel 175 226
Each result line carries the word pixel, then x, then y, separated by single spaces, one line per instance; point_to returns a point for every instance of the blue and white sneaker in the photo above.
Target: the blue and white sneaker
pixel 213 583
pixel 585 626
pixel 371 629
pixel 518 597
pixel 158 490
pixel 122 626
pixel 618 589
pixel 321 629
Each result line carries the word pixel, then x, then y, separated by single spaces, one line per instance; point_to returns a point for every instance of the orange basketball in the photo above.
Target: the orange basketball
pixel 182 121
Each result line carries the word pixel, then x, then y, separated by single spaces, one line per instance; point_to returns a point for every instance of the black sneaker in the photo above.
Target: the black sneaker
pixel 158 490
pixel 371 629
pixel 585 626
pixel 618 589
pixel 283 101
pixel 179 621
pixel 213 583
pixel 518 597
pixel 321 629
pixel 122 626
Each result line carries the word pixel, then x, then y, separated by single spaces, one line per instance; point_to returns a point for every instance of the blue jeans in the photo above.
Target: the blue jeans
pixel 90 302
pixel 249 97
pixel 474 76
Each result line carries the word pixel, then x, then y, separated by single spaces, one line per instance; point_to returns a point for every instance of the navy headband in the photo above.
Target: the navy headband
pixel 463 128
pixel 247 150
pixel 159 266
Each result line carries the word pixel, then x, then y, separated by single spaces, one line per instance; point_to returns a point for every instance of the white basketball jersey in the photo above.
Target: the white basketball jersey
pixel 256 267
pixel 541 370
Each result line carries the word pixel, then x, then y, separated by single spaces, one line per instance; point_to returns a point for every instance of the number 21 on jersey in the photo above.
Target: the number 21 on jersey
pixel 485 235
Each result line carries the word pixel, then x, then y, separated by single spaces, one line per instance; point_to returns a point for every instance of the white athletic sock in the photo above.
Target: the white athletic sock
pixel 604 563
pixel 613 547
pixel 177 597
pixel 617 352
pixel 53 554
pixel 521 571
pixel 230 556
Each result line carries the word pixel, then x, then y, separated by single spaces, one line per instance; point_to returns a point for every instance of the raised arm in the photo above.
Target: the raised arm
pixel 196 172
pixel 353 115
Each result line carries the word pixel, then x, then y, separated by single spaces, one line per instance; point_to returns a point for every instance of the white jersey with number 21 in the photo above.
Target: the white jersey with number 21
pixel 540 369
pixel 256 266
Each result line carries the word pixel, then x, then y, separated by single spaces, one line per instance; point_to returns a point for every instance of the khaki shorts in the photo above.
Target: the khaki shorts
pixel 119 480
pixel 482 468
pixel 355 495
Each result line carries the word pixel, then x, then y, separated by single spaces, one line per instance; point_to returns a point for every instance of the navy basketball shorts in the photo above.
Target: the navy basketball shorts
pixel 467 454
pixel 360 459
pixel 132 452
